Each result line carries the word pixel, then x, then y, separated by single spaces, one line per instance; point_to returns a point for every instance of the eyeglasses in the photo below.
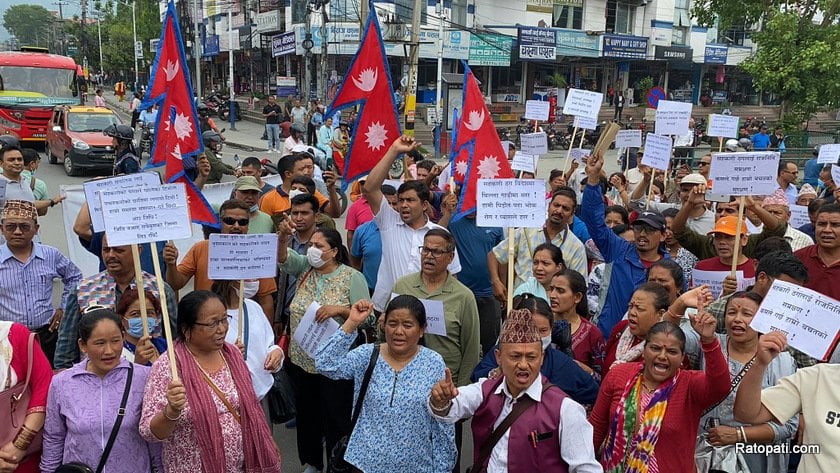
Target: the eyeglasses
pixel 436 253
pixel 12 227
pixel 645 229
pixel 216 323
pixel 242 222
pixel 701 163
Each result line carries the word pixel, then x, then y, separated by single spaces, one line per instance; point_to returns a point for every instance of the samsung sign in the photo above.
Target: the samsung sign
pixel 670 53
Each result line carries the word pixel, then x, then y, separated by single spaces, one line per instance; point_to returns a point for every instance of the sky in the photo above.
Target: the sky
pixel 71 7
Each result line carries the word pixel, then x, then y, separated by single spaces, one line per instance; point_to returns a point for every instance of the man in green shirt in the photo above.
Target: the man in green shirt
pixel 31 161
pixel 247 189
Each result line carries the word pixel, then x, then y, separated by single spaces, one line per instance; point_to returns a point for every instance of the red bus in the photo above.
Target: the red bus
pixel 32 83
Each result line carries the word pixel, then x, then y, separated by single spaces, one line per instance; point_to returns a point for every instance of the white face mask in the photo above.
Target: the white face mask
pixel 546 341
pixel 251 288
pixel 313 256
pixel 294 193
pixel 254 208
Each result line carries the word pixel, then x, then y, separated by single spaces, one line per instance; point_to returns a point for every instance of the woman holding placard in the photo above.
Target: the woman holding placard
pixel 323 276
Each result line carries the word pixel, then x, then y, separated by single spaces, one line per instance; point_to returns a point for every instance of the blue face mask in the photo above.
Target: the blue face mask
pixel 135 326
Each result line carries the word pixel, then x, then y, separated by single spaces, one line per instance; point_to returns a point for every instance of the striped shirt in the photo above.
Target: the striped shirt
pixel 26 288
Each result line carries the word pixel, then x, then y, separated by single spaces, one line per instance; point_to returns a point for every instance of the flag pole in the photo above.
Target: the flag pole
pixel 173 368
pixel 738 229
pixel 141 288
pixel 511 263
pixel 241 318
pixel 571 145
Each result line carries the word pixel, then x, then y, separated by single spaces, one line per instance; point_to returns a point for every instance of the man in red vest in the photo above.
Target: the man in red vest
pixel 521 422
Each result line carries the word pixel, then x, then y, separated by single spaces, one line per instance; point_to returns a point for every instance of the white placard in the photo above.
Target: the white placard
pixel 3 183
pixel 628 139
pixel 835 174
pixel 798 216
pixel 829 154
pixel 534 143
pixel 672 118
pixel 747 173
pixel 511 203
pixel 396 183
pixel 583 103
pixel 311 334
pixel 156 214
pixel 525 162
pixel 724 126
pixel 810 320
pixel 537 110
pixel 714 279
pixel 577 154
pixel 586 123
pixel 657 151
pixel 232 257
pixel 435 316
pixel 140 179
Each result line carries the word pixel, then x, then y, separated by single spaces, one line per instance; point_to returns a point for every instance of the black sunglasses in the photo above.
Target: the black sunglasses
pixel 242 222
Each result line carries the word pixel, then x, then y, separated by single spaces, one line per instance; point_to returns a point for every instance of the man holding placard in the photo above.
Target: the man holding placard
pixel 725 238
pixel 823 258
pixel 235 217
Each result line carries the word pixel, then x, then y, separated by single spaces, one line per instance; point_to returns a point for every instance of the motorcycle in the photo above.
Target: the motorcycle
pixel 146 137
pixel 220 105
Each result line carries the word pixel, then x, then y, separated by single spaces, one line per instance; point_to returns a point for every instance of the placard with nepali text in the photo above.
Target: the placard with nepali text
pixel 510 203
pixel 92 187
pixel 524 162
pixel 537 110
pixel 657 151
pixel 534 143
pixel 583 103
pixel 628 139
pixel 156 214
pixel 672 118
pixel 586 123
pixel 310 333
pixel 232 257
pixel 723 126
pixel 747 173
pixel 829 154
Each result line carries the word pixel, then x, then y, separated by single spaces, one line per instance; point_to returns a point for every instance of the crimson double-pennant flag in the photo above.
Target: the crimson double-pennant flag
pixel 368 85
pixel 477 152
pixel 177 135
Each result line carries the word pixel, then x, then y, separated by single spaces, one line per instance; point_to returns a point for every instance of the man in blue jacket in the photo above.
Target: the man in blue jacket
pixel 631 259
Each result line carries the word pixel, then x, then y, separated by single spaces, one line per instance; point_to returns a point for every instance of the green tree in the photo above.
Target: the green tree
pixel 30 24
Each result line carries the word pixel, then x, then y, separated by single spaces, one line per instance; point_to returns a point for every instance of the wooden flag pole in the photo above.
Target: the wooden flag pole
pixel 582 136
pixel 571 145
pixel 141 289
pixel 650 188
pixel 241 312
pixel 511 263
pixel 173 368
pixel 720 144
pixel 737 248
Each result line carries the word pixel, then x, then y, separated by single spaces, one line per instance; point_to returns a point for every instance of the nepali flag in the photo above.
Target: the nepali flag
pixel 177 137
pixel 477 151
pixel 368 85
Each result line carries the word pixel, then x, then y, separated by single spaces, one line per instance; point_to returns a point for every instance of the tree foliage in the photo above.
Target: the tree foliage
pixel 30 24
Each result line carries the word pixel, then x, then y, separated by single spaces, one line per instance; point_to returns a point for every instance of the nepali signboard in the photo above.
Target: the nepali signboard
pixel 537 44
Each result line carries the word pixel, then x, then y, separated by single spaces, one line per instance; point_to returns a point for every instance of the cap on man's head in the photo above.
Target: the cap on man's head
pixel 777 198
pixel 651 218
pixel 728 225
pixel 519 327
pixel 19 209
pixel 693 179
pixel 246 183
pixel 807 189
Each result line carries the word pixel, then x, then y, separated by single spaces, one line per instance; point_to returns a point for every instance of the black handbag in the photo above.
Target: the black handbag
pixel 337 463
pixel 281 399
pixel 79 467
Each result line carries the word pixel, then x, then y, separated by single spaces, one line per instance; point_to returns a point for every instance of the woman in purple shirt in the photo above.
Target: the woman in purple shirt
pixel 83 402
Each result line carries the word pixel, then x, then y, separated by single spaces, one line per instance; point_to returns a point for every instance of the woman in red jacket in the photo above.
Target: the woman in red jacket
pixel 647 413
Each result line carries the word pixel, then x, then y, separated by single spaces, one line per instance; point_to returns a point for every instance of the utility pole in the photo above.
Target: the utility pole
pixel 61 49
pixel 411 93
pixel 363 14
pixel 307 64
pixel 230 69
pixel 438 109
pixel 196 48
pixel 322 72
pixel 84 30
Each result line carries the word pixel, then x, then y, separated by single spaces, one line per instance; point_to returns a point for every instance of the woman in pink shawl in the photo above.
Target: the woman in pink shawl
pixel 210 420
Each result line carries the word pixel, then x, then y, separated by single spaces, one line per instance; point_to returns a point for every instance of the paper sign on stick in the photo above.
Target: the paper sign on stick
pixel 810 320
pixel 534 143
pixel 657 151
pixel 435 316
pixel 524 162
pixel 835 174
pixel 233 257
pixel 724 126
pixel 748 173
pixel 310 334
pixel 714 279
pixel 586 123
pixel 156 214
pixel 577 154
pixel 140 179
pixel 628 139
pixel 829 154
pixel 511 203
pixel 799 216
pixel 536 110
pixel 672 118
pixel 583 103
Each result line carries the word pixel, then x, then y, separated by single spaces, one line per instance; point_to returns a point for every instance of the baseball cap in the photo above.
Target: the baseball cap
pixel 246 183
pixel 728 225
pixel 694 179
pixel 651 218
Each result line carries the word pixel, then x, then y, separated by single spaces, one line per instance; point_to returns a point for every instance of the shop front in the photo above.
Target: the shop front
pixel 627 58
pixel 681 77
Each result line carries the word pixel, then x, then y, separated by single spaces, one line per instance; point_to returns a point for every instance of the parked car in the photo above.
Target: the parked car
pixel 75 139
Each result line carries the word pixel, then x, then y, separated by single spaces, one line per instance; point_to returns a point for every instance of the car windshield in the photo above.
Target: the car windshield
pixel 90 122
pixel 21 84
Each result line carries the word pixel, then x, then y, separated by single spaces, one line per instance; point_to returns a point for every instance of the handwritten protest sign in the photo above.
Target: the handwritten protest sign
pixel 657 151
pixel 798 216
pixel 810 320
pixel 835 174
pixel 310 334
pixel 534 143
pixel 724 126
pixel 511 203
pixel 156 214
pixel 628 139
pixel 577 154
pixel 536 110
pixel 586 123
pixel 524 162
pixel 672 118
pixel 435 318
pixel 829 154
pixel 714 279
pixel 140 179
pixel 748 173
pixel 232 257
pixel 583 103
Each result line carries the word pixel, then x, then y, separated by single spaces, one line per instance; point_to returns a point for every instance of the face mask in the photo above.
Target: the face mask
pixel 135 326
pixel 546 341
pixel 254 208
pixel 250 288
pixel 294 193
pixel 313 255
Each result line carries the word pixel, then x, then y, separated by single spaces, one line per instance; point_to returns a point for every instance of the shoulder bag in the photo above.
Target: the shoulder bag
pixel 337 463
pixel 281 397
pixel 79 467
pixel 14 402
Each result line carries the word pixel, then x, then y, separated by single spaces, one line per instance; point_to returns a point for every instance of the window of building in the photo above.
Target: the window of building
pixel 569 14
pixel 625 16
pixel 682 23
pixel 679 35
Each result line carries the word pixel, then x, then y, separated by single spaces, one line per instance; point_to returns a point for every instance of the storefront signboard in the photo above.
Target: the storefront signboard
pixel 577 43
pixel 537 44
pixel 490 50
pixel 674 54
pixel 715 54
pixel 625 46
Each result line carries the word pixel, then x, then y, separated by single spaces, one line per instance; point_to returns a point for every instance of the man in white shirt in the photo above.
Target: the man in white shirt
pixel 402 230
pixel 700 220
pixel 294 140
pixel 525 408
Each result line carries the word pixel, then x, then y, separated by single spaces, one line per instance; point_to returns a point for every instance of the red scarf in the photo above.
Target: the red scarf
pixel 261 455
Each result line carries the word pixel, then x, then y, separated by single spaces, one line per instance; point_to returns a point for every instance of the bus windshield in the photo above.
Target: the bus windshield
pixel 38 85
